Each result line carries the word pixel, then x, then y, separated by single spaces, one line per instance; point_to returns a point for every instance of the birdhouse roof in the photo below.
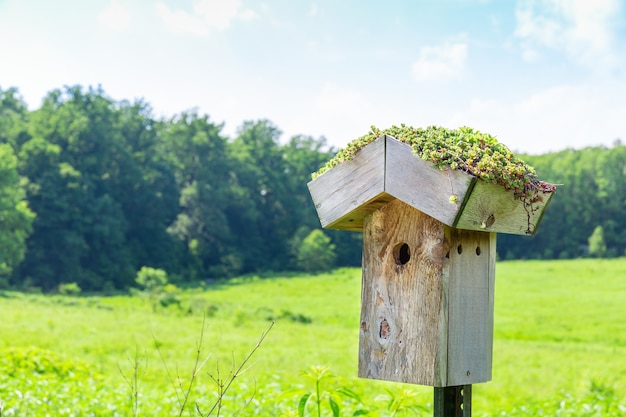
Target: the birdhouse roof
pixel 381 168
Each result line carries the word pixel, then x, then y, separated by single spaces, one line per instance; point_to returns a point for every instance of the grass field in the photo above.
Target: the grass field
pixel 560 347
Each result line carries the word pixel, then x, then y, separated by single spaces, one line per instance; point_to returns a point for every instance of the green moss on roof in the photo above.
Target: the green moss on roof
pixel 476 153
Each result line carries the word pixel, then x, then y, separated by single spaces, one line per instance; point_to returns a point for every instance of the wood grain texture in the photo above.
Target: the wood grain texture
pixel 423 186
pixel 492 208
pixel 471 279
pixel 402 306
pixel 428 320
pixel 349 191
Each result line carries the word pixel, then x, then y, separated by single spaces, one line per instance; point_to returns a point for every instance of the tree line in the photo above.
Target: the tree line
pixel 99 188
pixel 587 215
pixel 93 189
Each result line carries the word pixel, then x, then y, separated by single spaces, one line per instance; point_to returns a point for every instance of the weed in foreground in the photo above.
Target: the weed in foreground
pixel 328 394
pixel 184 390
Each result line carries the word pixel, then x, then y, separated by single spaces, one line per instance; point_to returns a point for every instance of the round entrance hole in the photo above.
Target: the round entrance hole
pixel 401 253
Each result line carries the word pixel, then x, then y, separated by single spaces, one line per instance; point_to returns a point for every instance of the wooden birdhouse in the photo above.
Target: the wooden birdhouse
pixel 429 252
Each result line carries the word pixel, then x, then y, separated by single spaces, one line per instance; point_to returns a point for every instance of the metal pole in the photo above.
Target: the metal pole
pixel 453 401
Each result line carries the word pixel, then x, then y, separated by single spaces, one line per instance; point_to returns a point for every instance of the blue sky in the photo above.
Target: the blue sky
pixel 540 75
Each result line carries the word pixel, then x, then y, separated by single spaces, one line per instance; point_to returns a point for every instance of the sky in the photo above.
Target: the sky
pixel 539 75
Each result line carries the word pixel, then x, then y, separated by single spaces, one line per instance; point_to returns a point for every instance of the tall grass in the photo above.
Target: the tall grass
pixel 560 345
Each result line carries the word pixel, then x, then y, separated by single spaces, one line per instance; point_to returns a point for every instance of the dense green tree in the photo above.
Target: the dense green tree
pixel 203 175
pixel 103 193
pixel 71 160
pixel 55 248
pixel 597 245
pixel 592 193
pixel 146 188
pixel 114 189
pixel 13 114
pixel 260 169
pixel 304 155
pixel 16 218
pixel 316 252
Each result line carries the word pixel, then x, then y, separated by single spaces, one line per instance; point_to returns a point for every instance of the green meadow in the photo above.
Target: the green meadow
pixel 559 349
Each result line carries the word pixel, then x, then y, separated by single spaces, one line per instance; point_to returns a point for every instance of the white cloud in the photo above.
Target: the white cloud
pixel 181 21
pixel 552 119
pixel 583 29
pixel 206 15
pixel 338 112
pixel 248 14
pixel 442 62
pixel 335 99
pixel 115 17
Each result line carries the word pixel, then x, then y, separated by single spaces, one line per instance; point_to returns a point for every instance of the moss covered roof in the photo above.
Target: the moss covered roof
pixel 476 153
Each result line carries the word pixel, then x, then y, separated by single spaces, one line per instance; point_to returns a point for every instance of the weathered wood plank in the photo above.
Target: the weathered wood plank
pixel 427 311
pixel 423 186
pixel 352 189
pixel 388 169
pixel 470 306
pixel 492 208
pixel 403 304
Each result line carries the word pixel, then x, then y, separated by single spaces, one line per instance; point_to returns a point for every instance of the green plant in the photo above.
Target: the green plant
pixel 271 315
pixel 156 288
pixel 328 394
pixel 597 244
pixel 190 399
pixel 133 381
pixel 38 362
pixel 222 382
pixel 317 374
pixel 316 252
pixel 169 296
pixel 151 279
pixel 402 402
pixel 34 379
pixel 468 150
pixel 71 288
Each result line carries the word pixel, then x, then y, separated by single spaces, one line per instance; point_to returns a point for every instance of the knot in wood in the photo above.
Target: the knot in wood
pixel 385 329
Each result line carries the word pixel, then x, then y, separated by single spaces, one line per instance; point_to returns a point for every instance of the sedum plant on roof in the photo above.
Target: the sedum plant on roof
pixel 471 151
pixel 468 150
